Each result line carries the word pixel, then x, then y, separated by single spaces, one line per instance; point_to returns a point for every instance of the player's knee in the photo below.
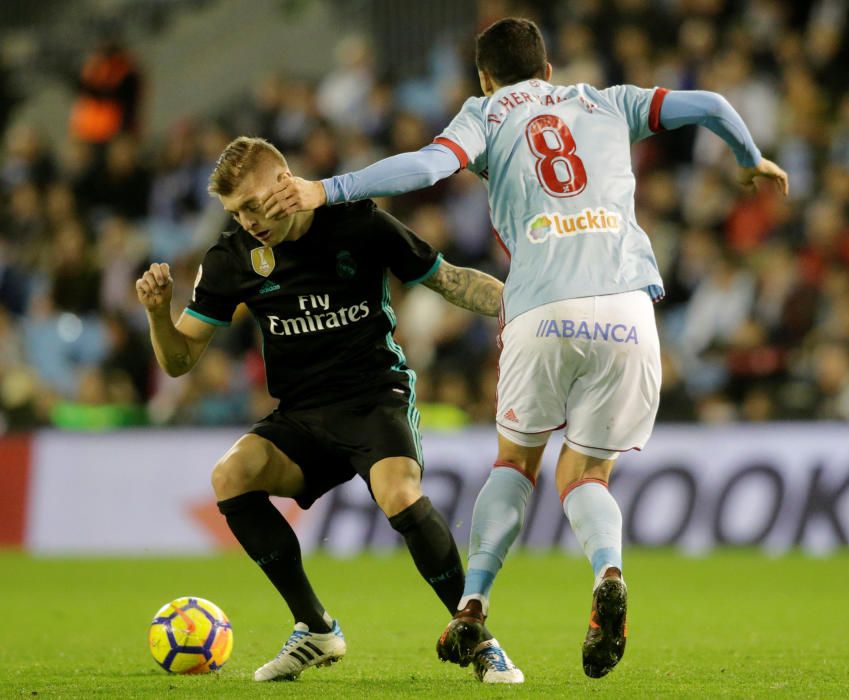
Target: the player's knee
pixel 239 471
pixel 396 484
pixel 395 495
pixel 527 459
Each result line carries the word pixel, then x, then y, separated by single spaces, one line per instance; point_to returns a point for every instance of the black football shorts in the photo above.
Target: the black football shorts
pixel 334 443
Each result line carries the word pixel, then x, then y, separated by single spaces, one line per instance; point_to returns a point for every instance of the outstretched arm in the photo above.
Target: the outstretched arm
pixel 682 107
pixel 467 288
pixel 404 172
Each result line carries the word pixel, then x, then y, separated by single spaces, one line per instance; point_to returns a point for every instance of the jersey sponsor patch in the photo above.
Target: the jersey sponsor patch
pixel 567 328
pixel 317 316
pixel 262 260
pixel 599 220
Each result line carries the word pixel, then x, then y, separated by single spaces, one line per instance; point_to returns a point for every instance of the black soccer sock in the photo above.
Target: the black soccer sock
pixel 271 542
pixel 433 549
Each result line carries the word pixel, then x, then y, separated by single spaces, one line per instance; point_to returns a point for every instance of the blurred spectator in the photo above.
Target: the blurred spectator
pixel 297 113
pixel 215 393
pixel 128 357
pixel 60 204
pixel 342 95
pixel 109 91
pixel 26 158
pixel 467 212
pixel 75 273
pixel 577 56
pixel 826 238
pixel 9 94
pixel 58 343
pixel 831 375
pixel 121 251
pixel 122 186
pixel 104 401
pixel 14 285
pixel 719 307
pixel 25 228
pixel 174 187
pixel 19 405
pixel 320 155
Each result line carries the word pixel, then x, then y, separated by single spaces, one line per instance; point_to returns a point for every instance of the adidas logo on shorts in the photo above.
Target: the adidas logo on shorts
pixel 511 415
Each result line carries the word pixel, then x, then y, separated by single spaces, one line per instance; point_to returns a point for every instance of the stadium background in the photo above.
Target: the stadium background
pixel 755 325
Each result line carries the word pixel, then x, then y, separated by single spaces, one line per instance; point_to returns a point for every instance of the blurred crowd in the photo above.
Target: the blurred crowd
pixel 755 325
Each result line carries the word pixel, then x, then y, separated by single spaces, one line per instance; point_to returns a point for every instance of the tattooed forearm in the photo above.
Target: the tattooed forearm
pixel 175 352
pixel 467 288
pixel 181 362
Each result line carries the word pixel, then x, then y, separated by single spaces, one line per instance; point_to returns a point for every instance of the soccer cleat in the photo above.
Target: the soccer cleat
pixel 302 650
pixel 604 644
pixel 492 665
pixel 462 636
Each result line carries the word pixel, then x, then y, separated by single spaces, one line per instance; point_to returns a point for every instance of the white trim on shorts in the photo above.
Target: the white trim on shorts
pixel 539 439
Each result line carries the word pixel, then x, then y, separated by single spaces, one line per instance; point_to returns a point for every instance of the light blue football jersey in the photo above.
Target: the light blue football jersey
pixel 556 161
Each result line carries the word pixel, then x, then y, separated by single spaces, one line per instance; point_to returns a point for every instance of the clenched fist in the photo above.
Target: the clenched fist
pixel 155 286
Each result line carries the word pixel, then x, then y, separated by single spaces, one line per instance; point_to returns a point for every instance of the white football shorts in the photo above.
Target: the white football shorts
pixel 590 364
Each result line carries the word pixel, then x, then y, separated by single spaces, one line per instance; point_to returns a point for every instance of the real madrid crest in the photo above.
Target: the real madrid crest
pixel 262 259
pixel 346 266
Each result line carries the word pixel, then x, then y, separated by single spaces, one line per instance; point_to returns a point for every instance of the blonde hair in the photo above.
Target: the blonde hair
pixel 240 155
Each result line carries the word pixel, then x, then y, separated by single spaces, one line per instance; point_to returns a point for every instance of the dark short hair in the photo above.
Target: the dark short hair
pixel 511 50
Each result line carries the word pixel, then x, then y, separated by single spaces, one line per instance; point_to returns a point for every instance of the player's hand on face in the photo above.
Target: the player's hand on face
pixel 155 286
pixel 767 169
pixel 293 194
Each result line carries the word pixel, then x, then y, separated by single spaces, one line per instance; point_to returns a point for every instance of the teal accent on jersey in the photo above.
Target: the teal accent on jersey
pixel 428 274
pixel 207 319
pixel 413 417
pixel 262 352
pixel 556 161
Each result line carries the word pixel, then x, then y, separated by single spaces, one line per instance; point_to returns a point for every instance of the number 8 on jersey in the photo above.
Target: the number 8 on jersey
pixel 559 170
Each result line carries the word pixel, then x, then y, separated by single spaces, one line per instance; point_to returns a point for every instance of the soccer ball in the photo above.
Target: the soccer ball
pixel 190 635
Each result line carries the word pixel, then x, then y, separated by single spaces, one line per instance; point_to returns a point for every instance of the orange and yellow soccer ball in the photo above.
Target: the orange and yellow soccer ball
pixel 190 635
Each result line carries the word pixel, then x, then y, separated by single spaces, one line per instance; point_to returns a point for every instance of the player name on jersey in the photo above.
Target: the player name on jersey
pixel 514 99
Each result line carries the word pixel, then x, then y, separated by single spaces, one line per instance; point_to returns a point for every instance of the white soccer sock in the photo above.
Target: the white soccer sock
pixel 597 523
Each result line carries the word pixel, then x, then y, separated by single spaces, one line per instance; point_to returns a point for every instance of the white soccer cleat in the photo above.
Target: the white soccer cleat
pixel 492 665
pixel 302 650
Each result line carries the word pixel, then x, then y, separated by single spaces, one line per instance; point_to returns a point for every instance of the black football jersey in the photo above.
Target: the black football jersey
pixel 322 301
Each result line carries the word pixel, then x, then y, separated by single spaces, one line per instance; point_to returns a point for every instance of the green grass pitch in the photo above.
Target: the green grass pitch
pixel 735 624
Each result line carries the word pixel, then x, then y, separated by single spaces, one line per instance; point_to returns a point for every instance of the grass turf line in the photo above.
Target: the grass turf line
pixel 735 624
